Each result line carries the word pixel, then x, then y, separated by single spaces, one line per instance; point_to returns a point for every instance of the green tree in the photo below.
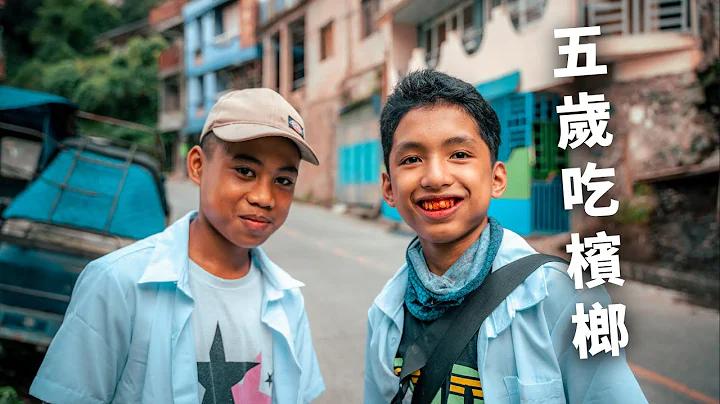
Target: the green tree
pixel 66 29
pixel 64 60
pixel 135 10
pixel 18 19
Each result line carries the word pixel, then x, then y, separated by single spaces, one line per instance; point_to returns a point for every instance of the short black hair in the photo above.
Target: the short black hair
pixel 427 87
pixel 210 142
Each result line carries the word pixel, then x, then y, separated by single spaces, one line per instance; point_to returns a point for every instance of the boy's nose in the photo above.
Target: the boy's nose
pixel 436 176
pixel 262 196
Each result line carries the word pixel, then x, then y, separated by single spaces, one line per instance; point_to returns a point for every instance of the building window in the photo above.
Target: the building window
pixel 275 40
pixel 223 79
pixel 248 75
pixel 264 10
pixel 171 96
pixel 227 22
pixel 219 28
pixel 461 19
pixel 327 45
pixel 200 107
pixel 297 36
pixel 369 16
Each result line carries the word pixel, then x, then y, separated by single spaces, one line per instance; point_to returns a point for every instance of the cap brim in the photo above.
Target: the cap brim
pixel 240 132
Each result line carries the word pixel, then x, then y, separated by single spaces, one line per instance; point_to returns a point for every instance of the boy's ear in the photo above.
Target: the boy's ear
pixel 387 190
pixel 195 161
pixel 499 180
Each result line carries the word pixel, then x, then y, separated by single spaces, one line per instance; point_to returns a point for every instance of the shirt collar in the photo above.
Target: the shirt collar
pixel 169 260
pixel 531 292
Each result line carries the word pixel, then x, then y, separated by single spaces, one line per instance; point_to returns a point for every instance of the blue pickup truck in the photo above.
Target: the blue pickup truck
pixel 65 199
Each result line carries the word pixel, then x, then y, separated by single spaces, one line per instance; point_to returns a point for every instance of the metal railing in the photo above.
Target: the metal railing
pixel 627 17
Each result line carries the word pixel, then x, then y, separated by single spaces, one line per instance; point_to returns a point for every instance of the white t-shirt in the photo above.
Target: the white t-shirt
pixel 233 346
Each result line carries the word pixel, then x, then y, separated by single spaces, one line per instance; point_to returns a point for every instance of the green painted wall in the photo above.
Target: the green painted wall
pixel 519 171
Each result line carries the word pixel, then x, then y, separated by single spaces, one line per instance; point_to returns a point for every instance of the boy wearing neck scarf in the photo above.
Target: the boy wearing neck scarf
pixel 440 143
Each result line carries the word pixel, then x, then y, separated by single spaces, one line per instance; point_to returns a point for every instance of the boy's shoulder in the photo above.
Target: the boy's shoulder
pixel 127 264
pixel 515 246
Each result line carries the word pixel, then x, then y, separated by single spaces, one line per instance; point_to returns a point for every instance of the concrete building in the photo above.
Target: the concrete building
pixel 327 58
pixel 221 53
pixel 167 20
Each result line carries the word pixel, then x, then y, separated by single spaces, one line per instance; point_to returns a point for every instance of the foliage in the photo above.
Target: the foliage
pixel 8 395
pixel 69 28
pixel 135 10
pixel 18 19
pixel 122 84
pixel 638 209
pixel 62 58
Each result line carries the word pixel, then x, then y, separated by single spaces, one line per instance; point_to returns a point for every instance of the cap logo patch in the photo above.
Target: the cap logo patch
pixel 295 126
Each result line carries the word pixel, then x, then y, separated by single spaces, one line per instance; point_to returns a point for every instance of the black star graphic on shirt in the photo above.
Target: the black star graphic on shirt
pixel 269 379
pixel 218 376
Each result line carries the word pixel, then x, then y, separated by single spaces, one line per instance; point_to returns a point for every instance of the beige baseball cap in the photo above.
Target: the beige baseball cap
pixel 254 113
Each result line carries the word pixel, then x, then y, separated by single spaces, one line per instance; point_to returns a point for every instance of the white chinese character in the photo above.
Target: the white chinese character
pixel 573 180
pixel 617 325
pixel 587 125
pixel 582 332
pixel 599 329
pixel 577 261
pixel 574 49
pixel 604 264
pixel 604 323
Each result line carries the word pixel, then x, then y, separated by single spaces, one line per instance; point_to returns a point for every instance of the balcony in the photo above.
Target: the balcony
pixel 214 57
pixel 170 60
pixel 273 10
pixel 524 25
pixel 167 15
pixel 640 28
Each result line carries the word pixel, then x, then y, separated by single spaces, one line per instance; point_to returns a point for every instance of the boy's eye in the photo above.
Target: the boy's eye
pixel 410 160
pixel 461 155
pixel 285 181
pixel 245 172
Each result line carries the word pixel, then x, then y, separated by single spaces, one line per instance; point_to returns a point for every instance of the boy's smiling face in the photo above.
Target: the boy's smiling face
pixel 441 177
pixel 246 188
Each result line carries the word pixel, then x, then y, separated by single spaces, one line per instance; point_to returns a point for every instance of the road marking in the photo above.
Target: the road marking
pixel 639 371
pixel 671 384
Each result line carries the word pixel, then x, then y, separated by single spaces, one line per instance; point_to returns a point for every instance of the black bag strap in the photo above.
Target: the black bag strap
pixel 437 349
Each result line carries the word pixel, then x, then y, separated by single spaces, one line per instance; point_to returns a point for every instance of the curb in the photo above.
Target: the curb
pixel 702 290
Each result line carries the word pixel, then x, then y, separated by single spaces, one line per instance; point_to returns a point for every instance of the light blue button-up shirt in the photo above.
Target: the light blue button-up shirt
pixel 525 350
pixel 127 338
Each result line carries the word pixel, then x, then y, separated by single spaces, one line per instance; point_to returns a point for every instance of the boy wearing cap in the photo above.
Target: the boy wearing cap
pixel 198 313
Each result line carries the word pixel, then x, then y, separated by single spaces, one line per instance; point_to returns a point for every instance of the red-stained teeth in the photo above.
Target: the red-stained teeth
pixel 444 204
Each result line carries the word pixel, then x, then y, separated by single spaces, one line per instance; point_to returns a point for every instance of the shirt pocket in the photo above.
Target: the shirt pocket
pixel 550 392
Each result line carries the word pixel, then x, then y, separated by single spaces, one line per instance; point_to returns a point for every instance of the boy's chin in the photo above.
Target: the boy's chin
pixel 442 234
pixel 249 242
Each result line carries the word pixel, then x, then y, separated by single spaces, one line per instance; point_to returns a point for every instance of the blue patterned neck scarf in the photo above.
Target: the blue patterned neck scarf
pixel 428 296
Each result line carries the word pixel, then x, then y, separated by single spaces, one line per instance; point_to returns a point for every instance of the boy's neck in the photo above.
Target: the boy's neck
pixel 214 253
pixel 440 257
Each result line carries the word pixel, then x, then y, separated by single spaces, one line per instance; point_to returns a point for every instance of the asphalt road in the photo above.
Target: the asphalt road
pixel 344 261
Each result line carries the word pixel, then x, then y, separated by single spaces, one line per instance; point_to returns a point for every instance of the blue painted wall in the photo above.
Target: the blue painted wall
pixel 359 163
pixel 513 214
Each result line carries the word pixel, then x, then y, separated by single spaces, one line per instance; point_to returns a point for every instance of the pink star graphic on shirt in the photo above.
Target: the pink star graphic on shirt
pixel 248 392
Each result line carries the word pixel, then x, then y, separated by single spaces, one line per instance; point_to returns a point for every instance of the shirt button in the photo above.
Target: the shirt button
pixel 394 340
pixel 174 336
